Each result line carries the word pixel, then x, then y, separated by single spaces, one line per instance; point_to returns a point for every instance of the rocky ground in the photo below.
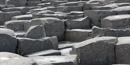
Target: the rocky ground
pixel 64 32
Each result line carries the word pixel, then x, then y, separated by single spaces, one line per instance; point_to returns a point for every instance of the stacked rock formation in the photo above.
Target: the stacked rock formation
pixel 64 32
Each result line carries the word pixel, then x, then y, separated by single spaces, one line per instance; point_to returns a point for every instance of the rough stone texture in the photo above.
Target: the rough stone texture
pixel 97 15
pixel 57 60
pixel 122 50
pixel 17 2
pixel 9 15
pixel 23 10
pixel 8 42
pixel 116 21
pixel 46 53
pixel 66 44
pixel 53 26
pixel 69 8
pixel 35 32
pixel 22 17
pixel 122 10
pixel 88 6
pixel 80 23
pixel 17 25
pixel 96 51
pixel 98 32
pixel 28 46
pixel 77 35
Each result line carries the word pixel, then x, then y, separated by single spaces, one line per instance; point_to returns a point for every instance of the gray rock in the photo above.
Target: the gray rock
pixel 45 53
pixel 98 32
pixel 56 60
pixel 120 1
pixel 16 2
pixel 80 23
pixel 28 46
pixel 17 25
pixel 8 41
pixel 66 51
pixel 116 21
pixel 20 34
pixel 96 51
pixel 35 32
pixel 22 17
pixel 122 50
pixel 9 15
pixel 33 3
pixel 88 6
pixel 97 15
pixel 66 44
pixel 23 10
pixel 77 35
pixel 122 10
pixel 53 26
pixel 69 8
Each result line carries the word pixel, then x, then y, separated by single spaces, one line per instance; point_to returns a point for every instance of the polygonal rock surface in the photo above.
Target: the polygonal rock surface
pixel 53 26
pixel 98 32
pixel 8 42
pixel 17 25
pixel 122 50
pixel 80 23
pixel 28 46
pixel 116 21
pixel 77 35
pixel 95 51
pixel 35 32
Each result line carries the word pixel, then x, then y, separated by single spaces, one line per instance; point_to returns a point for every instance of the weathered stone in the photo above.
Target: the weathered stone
pixel 66 51
pixel 8 42
pixel 123 4
pixel 116 21
pixel 33 3
pixel 122 50
pixel 122 10
pixel 98 32
pixel 97 15
pixel 16 2
pixel 60 16
pixel 66 44
pixel 28 46
pixel 22 17
pixel 88 6
pixel 20 34
pixel 96 51
pixel 46 53
pixel 17 25
pixel 53 26
pixel 120 1
pixel 80 23
pixel 69 8
pixel 23 10
pixel 35 32
pixel 77 35
pixel 44 4
pixel 9 15
pixel 56 60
